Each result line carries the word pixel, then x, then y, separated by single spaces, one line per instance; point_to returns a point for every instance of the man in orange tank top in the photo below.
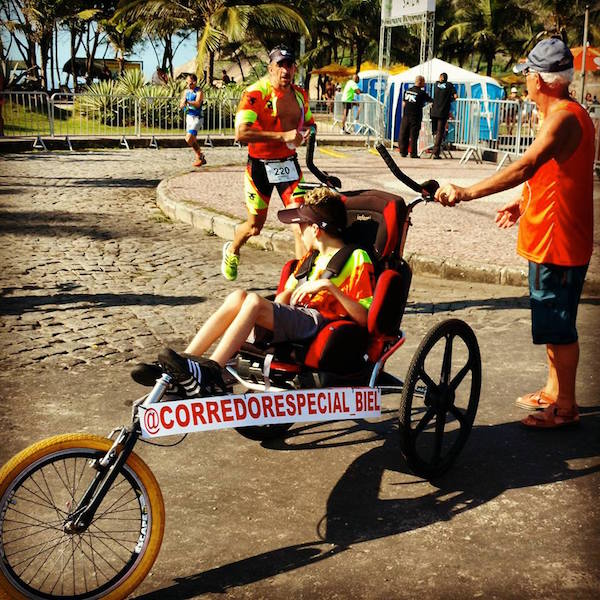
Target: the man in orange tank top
pixel 555 224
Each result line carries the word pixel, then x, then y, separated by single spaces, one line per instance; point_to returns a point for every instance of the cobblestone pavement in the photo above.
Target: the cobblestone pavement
pixel 91 269
pixel 94 276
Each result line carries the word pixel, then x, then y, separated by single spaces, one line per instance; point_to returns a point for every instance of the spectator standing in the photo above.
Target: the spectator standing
pixel 512 110
pixel 329 95
pixel 273 118
pixel 349 95
pixel 413 101
pixel 226 79
pixel 444 93
pixel 191 102
pixel 555 214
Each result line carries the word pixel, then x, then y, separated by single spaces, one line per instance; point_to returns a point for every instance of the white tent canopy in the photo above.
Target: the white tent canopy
pixel 468 84
pixel 432 69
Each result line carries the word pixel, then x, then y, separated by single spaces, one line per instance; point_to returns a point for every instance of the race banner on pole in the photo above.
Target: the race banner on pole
pixel 265 408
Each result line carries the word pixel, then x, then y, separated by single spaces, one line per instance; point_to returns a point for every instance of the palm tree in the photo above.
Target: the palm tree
pixel 215 21
pixel 489 26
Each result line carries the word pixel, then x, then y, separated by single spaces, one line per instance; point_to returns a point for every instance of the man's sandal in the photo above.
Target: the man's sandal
pixel 552 418
pixel 534 401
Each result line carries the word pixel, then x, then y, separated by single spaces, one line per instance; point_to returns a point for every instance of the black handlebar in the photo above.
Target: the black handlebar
pixel 426 189
pixel 322 176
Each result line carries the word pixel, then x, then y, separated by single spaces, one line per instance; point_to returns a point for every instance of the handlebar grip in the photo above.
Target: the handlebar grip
pixel 310 150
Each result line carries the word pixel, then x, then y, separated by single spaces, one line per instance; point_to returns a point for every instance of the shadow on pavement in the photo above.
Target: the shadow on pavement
pixel 22 304
pixel 94 182
pixel 52 223
pixel 497 458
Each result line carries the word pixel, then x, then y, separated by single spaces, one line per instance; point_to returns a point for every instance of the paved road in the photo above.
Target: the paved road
pixel 93 277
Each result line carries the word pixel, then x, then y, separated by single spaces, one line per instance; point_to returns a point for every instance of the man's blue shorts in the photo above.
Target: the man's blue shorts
pixel 554 293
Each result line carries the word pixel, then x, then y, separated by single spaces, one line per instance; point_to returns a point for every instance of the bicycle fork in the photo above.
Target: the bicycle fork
pixel 110 465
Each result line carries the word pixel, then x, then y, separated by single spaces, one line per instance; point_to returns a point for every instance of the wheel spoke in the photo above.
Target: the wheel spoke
pixel 440 423
pixel 460 415
pixel 457 380
pixel 447 360
pixel 431 385
pixel 424 421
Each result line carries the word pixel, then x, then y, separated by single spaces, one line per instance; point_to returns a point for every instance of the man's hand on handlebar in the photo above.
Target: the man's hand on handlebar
pixel 451 195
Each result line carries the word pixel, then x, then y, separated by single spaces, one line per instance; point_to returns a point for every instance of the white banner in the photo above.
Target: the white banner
pixel 395 9
pixel 291 406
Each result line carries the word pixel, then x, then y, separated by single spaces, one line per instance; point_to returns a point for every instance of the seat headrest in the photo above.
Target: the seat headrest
pixel 375 220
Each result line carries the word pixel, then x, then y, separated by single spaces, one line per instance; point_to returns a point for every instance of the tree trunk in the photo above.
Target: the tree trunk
pixel 490 62
pixel 90 57
pixel 45 45
pixel 211 68
pixel 73 53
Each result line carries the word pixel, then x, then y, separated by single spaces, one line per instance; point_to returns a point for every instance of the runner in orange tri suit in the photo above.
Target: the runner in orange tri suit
pixel 273 119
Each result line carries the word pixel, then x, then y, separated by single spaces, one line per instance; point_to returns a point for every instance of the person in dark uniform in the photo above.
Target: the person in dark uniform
pixel 443 95
pixel 412 114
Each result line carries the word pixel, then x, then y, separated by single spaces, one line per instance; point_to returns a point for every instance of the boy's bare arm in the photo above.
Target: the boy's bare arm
pixel 355 310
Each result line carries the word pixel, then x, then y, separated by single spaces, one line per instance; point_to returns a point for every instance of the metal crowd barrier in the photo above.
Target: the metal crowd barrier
pixel 26 114
pixel 70 115
pixel 477 125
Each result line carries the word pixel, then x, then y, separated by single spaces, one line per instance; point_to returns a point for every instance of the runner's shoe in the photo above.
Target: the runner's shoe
pixel 229 264
pixel 201 160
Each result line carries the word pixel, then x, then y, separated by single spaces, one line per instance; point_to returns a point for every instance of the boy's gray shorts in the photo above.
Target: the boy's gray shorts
pixel 291 323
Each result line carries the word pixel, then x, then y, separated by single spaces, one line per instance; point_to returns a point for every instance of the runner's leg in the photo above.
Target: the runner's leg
pixel 257 190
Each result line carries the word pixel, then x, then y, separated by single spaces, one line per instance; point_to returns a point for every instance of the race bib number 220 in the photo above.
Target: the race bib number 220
pixel 280 171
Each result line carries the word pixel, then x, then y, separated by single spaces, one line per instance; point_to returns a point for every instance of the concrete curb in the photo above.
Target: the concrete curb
pixel 271 239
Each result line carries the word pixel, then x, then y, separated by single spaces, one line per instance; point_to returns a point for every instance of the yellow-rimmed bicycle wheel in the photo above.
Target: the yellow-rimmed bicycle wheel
pixel 40 559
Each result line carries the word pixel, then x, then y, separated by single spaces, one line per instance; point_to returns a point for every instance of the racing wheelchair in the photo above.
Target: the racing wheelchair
pixel 82 516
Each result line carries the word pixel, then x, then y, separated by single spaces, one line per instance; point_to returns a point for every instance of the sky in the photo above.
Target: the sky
pixel 185 52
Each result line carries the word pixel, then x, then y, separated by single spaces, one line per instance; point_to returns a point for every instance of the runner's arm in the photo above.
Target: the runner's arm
pixel 559 137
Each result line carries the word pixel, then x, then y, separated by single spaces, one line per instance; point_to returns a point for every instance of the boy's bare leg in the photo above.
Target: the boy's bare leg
pixel 216 324
pixel 255 310
pixel 250 227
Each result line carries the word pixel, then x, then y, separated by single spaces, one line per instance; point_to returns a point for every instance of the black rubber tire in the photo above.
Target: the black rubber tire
pixel 130 521
pixel 262 433
pixel 427 408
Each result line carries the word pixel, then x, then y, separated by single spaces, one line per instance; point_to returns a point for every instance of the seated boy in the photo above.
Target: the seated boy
pixel 297 313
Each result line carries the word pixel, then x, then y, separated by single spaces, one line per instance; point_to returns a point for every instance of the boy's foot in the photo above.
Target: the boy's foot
pixel 146 374
pixel 197 376
pixel 201 160
pixel 552 418
pixel 534 401
pixel 229 264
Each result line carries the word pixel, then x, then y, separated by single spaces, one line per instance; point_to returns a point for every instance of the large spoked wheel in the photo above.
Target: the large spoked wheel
pixel 440 397
pixel 262 433
pixel 40 558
